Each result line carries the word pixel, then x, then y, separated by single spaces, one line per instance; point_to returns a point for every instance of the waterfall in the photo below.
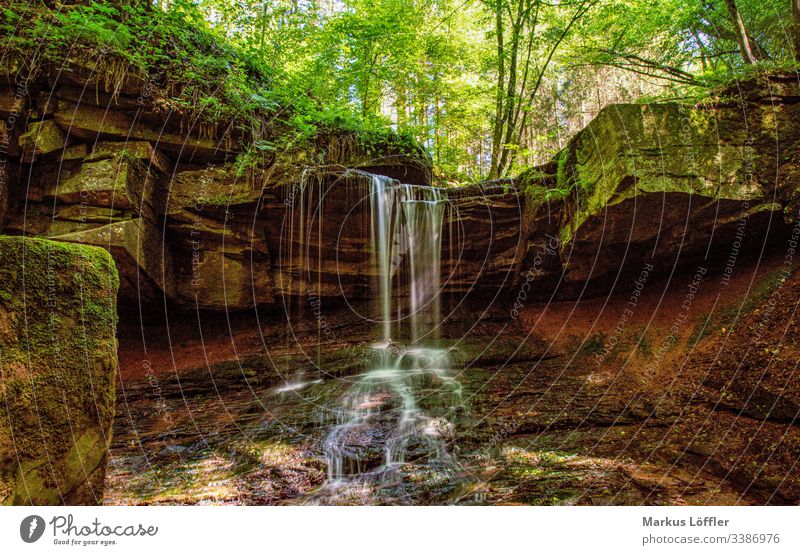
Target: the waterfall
pixel 423 232
pixel 381 412
pixel 407 226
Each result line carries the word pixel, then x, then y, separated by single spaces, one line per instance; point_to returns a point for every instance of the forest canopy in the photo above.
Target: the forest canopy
pixel 488 87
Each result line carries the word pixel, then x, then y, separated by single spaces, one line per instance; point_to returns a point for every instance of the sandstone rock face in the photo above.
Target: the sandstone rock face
pixel 94 162
pixel 43 138
pixel 318 231
pixel 404 168
pixel 103 184
pixel 319 234
pixel 89 123
pixel 142 151
pixel 484 237
pixel 666 184
pixel 10 103
pixel 7 176
pixel 121 239
pixel 58 358
pixel 671 185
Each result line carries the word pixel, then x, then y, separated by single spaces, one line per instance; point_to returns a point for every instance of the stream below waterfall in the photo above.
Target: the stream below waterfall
pixel 396 403
pixel 385 408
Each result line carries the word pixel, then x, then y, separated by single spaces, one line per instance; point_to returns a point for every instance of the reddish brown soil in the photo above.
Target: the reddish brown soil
pixel 656 308
pixel 732 373
pixel 183 344
pixel 605 417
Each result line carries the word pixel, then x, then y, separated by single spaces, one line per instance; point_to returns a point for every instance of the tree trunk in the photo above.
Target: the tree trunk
pixel 497 131
pixel 741 32
pixel 401 103
pixel 796 28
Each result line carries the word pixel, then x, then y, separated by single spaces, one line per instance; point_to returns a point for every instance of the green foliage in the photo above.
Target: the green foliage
pixel 177 50
pixel 471 81
pixel 194 67
pixel 367 66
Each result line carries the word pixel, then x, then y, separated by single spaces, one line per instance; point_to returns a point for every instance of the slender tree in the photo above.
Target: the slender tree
pixel 796 28
pixel 528 40
pixel 741 32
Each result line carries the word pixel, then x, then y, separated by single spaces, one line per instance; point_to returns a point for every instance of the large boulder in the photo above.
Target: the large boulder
pixel 58 356
pixel 674 185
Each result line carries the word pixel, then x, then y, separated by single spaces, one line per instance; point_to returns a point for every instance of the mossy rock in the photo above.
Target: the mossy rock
pixel 42 138
pixel 104 183
pixel 58 359
pixel 668 183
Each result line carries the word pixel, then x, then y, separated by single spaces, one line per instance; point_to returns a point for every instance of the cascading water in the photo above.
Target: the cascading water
pixel 387 418
pixel 423 225
pixel 407 227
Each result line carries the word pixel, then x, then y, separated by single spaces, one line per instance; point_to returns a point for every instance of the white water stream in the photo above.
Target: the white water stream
pixel 381 423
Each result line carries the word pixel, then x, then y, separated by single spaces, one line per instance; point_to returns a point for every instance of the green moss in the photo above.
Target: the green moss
pixel 59 361
pixel 595 343
pixel 86 453
pixel 644 346
pixel 561 171
pixel 30 486
pixel 194 70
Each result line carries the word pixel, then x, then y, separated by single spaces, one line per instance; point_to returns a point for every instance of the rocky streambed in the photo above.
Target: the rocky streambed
pixel 531 432
pixel 539 422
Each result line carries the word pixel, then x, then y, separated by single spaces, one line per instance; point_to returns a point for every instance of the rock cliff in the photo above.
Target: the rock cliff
pixel 671 184
pixel 667 184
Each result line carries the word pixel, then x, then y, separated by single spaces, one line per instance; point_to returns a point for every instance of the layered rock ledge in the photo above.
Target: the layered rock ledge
pixel 672 185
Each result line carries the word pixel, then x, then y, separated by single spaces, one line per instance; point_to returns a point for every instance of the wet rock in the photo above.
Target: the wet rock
pixel 328 239
pixel 318 230
pixel 173 450
pixel 413 169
